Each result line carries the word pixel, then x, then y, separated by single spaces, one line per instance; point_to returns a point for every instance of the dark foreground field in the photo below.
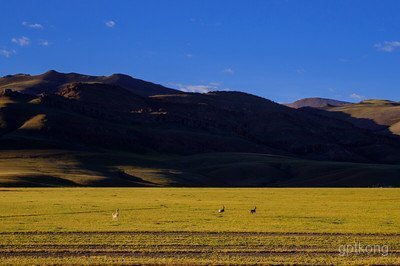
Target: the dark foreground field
pixel 195 247
pixel 181 225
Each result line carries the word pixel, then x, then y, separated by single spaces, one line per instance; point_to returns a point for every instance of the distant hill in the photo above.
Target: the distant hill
pixel 316 103
pixel 139 119
pixel 381 112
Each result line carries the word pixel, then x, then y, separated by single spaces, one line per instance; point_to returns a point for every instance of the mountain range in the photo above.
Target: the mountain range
pixel 71 129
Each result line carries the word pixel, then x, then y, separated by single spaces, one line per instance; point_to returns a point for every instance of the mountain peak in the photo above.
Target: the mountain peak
pixel 51 74
pixel 119 77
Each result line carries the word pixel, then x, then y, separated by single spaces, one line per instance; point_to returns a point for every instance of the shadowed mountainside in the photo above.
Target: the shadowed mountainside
pixel 73 112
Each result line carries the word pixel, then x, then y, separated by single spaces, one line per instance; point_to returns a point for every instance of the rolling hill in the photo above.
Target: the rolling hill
pixel 316 103
pixel 109 116
pixel 51 81
pixel 381 112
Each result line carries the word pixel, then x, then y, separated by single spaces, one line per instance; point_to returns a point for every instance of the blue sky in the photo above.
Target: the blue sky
pixel 281 50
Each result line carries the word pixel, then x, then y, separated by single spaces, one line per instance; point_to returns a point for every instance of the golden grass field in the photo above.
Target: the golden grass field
pixel 182 225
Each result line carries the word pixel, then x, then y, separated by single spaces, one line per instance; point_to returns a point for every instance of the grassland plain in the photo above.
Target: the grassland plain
pixel 182 225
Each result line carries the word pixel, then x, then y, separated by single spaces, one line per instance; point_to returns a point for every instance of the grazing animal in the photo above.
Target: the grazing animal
pixel 253 211
pixel 221 210
pixel 115 215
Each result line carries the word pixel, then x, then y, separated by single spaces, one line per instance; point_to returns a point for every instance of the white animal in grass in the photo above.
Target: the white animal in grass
pixel 222 209
pixel 115 214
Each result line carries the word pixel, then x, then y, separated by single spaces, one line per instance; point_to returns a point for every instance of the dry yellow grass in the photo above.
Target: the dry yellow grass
pixel 180 225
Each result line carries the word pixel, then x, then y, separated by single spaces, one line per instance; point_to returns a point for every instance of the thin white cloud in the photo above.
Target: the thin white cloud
pixel 7 53
pixel 202 88
pixel 388 46
pixel 110 23
pixel 32 25
pixel 197 88
pixel 356 96
pixel 228 71
pixel 300 71
pixel 23 41
pixel 189 56
pixel 44 43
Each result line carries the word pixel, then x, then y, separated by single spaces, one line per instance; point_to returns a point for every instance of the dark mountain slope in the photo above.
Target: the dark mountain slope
pixel 193 127
pixel 113 117
pixel 104 96
pixel 307 134
pixel 55 121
